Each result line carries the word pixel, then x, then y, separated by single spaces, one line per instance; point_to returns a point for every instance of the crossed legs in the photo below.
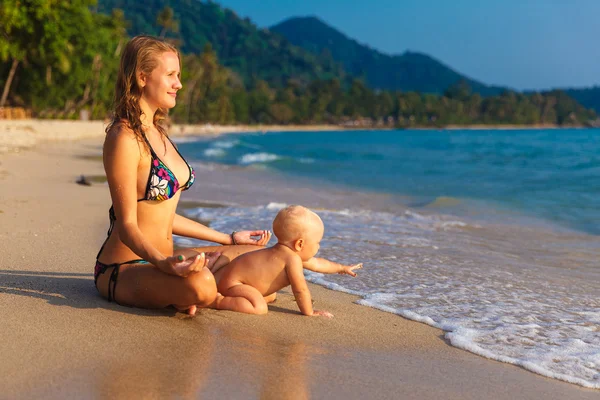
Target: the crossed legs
pixel 145 286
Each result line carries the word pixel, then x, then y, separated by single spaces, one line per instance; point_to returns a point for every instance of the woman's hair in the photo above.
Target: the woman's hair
pixel 140 55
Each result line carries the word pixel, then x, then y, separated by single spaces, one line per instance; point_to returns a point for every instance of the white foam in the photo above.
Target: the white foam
pixel 225 144
pixel 187 139
pixel 262 157
pixel 489 301
pixel 450 224
pixel 276 206
pixel 214 152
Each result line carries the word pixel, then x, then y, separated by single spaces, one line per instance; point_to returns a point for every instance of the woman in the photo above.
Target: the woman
pixel 146 174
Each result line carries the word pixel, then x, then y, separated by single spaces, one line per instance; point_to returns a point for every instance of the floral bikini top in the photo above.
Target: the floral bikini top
pixel 162 183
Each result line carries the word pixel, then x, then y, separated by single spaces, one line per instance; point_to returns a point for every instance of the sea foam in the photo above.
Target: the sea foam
pixel 434 269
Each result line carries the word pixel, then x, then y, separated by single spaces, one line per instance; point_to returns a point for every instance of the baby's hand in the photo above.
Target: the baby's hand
pixel 322 313
pixel 349 269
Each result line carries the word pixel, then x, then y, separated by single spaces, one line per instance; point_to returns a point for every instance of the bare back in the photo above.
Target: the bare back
pixel 263 269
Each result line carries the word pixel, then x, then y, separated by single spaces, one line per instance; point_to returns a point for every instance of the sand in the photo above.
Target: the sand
pixel 61 340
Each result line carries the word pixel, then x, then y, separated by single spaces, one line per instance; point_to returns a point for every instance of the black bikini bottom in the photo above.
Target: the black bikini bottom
pixel 101 268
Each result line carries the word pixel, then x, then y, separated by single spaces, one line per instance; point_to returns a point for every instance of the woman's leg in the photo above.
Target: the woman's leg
pixel 145 286
pixel 228 253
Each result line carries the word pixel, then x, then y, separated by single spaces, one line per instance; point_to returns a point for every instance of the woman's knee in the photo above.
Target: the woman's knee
pixel 202 287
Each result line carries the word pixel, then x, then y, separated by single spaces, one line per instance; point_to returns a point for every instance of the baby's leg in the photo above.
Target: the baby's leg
pixel 242 298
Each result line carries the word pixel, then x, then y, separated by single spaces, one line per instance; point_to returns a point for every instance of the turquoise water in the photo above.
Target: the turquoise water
pixel 548 174
pixel 491 236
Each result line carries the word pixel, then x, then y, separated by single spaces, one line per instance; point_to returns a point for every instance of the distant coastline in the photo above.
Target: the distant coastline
pixel 25 133
pixel 19 134
pixel 507 127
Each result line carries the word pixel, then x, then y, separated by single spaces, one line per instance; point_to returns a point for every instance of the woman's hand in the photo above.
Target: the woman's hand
pixel 259 238
pixel 181 266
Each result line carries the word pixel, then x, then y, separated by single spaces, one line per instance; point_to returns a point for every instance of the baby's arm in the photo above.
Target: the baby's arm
pixel 300 289
pixel 329 267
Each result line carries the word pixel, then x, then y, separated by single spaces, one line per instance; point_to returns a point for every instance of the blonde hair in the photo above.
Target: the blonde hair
pixel 293 222
pixel 140 55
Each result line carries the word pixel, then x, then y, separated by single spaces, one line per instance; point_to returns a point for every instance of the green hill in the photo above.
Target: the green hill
pixel 303 50
pixel 253 53
pixel 407 72
pixel 588 97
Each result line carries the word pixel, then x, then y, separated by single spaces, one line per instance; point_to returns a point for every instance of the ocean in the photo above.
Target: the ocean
pixel 489 235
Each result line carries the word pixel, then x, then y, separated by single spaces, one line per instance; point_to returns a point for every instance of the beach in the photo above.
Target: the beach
pixel 26 133
pixel 61 340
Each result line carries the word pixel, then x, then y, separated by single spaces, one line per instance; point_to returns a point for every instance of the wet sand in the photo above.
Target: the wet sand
pixel 61 340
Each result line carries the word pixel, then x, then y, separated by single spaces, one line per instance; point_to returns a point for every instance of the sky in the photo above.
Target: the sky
pixel 522 44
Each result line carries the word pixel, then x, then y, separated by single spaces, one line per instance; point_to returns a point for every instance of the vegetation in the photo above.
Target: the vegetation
pixel 51 64
pixel 588 97
pixel 253 53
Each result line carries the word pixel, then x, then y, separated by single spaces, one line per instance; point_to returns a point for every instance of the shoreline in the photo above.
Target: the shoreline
pixel 16 135
pixel 61 339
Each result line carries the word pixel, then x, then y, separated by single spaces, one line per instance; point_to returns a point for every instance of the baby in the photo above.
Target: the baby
pixel 251 280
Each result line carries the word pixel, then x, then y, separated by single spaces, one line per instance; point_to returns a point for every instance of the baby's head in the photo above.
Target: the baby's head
pixel 300 229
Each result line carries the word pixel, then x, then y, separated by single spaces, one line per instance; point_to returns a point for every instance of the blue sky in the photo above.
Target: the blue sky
pixel 524 44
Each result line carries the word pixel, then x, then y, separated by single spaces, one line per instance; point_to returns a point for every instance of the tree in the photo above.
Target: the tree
pixel 167 22
pixel 41 32
pixel 16 28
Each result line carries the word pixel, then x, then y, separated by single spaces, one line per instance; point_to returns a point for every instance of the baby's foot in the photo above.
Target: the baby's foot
pixel 188 310
pixel 271 298
pixel 192 310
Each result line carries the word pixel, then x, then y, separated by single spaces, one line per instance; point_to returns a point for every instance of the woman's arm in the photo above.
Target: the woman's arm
pixel 183 226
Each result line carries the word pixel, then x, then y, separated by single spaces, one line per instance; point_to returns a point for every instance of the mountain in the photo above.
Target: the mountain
pixel 587 97
pixel 303 49
pixel 300 49
pixel 410 71
pixel 251 52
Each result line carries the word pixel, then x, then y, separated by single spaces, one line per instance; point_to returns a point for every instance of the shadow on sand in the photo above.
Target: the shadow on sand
pixel 75 290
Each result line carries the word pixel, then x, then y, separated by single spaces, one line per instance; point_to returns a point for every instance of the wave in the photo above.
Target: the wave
pixel 187 139
pixel 225 144
pixel 214 153
pixel 413 268
pixel 253 158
